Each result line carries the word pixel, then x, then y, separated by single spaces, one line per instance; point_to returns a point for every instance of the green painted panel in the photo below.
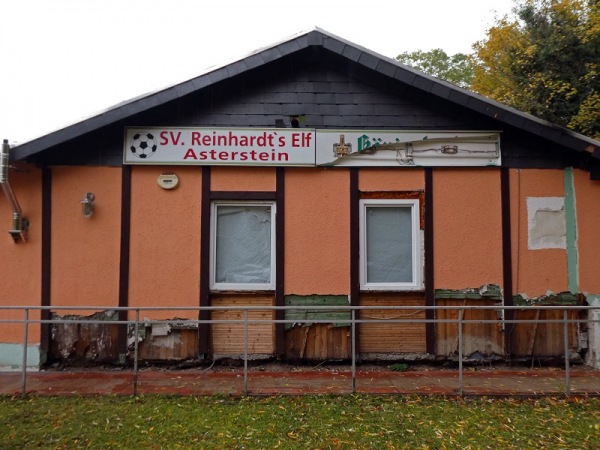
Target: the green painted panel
pixel 571 224
pixel 306 316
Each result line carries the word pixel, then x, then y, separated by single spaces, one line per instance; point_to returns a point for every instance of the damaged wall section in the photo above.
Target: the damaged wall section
pixel 84 343
pixel 172 340
pixel 541 341
pixel 307 340
pixel 480 340
pixel 546 222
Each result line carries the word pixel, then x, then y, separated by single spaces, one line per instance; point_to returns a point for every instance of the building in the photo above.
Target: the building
pixel 312 172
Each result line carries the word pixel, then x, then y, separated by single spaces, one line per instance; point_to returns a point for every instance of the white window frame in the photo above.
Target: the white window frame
pixel 214 285
pixel 417 269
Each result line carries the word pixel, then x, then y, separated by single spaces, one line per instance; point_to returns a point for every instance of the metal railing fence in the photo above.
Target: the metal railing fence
pixel 460 321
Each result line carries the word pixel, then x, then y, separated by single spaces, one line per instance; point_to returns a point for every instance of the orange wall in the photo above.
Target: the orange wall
pixel 467 228
pixel 535 271
pixel 20 264
pixel 391 179
pixel 243 179
pixel 165 241
pixel 317 230
pixel 85 251
pixel 587 201
pixel 165 233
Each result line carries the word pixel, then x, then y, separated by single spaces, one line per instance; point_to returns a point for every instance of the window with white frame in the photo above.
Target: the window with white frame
pixel 390 245
pixel 242 245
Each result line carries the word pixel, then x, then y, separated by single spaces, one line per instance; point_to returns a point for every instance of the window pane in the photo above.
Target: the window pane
pixel 243 247
pixel 389 245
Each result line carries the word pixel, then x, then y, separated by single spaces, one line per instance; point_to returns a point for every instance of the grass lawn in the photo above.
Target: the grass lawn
pixel 360 421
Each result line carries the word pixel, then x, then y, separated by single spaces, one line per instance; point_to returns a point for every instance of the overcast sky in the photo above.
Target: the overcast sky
pixel 63 60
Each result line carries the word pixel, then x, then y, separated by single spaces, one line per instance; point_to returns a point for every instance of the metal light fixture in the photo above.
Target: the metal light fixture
pixel 88 204
pixel 20 223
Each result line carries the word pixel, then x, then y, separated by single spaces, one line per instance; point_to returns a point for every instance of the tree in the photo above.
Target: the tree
pixel 456 69
pixel 545 60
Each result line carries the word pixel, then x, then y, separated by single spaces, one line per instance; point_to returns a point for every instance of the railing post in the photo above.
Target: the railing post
pixel 25 339
pixel 460 352
pixel 135 350
pixel 246 351
pixel 567 368
pixel 353 347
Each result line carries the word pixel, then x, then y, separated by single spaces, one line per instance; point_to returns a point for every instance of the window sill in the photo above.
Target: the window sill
pixel 392 291
pixel 242 292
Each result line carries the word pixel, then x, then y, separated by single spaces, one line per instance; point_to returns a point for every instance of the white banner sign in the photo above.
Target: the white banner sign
pixel 307 147
pixel 407 148
pixel 219 146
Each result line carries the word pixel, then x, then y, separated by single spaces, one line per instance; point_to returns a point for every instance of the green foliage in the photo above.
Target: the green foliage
pixel 399 367
pixel 357 421
pixel 545 60
pixel 457 69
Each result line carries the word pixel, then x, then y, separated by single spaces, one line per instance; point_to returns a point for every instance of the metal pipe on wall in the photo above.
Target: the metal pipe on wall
pixel 20 224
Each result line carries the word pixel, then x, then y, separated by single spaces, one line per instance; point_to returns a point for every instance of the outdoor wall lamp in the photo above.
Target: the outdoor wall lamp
pixel 88 204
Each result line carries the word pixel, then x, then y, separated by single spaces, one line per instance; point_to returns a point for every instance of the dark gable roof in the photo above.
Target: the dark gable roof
pixel 354 54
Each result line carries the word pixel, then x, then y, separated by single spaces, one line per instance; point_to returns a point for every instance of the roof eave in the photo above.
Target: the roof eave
pixel 359 55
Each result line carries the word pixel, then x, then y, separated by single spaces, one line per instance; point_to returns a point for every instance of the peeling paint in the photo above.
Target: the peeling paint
pixel 84 342
pixel 158 328
pixel 486 291
pixel 562 298
pixel 304 316
pixel 165 340
pixel 593 354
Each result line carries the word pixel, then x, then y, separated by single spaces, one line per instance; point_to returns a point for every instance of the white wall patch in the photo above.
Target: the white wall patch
pixel 546 223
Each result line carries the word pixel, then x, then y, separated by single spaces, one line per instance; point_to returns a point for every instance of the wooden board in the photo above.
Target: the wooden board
pixel 228 338
pixel 84 343
pixel 392 337
pixel 542 339
pixel 177 345
pixel 483 338
pixel 319 341
pixel 305 316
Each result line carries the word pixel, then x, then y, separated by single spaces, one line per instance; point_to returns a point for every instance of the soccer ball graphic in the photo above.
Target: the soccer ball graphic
pixel 143 145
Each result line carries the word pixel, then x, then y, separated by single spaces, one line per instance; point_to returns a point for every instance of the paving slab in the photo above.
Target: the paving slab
pixel 530 382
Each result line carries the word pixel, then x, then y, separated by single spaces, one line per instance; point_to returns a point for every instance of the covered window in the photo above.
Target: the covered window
pixel 390 257
pixel 243 245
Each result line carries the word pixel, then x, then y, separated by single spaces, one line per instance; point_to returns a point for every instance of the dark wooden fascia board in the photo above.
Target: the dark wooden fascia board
pixel 506 256
pixel 429 263
pixel 334 45
pixel 289 47
pixel 46 275
pixel 386 68
pixel 204 300
pixel 185 88
pixel 124 255
pixel 368 60
pixel 280 261
pixel 355 246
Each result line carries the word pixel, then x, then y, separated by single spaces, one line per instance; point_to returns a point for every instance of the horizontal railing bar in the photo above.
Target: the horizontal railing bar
pixel 404 314
pixel 301 307
pixel 291 321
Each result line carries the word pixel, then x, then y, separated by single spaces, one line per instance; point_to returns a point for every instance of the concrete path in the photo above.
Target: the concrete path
pixel 528 382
